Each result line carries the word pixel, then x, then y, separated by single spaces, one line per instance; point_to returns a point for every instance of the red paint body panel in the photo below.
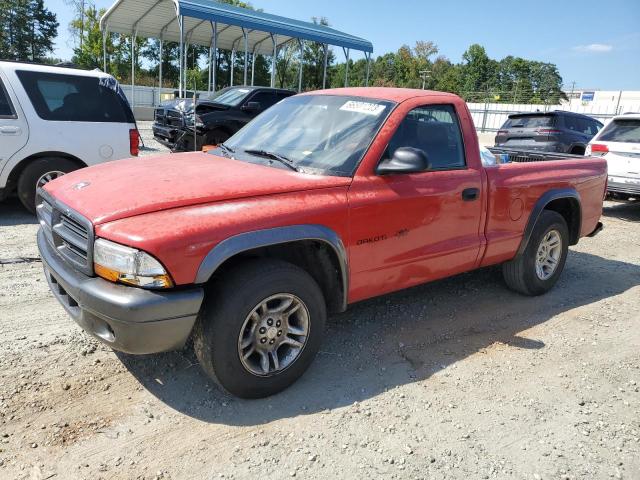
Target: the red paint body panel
pixel 182 237
pixel 399 230
pixel 142 185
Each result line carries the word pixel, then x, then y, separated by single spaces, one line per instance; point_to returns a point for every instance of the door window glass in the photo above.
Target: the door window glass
pixel 6 109
pixel 435 130
pixel 265 99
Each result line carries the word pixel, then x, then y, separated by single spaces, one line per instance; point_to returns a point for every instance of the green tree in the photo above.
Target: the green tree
pixel 27 30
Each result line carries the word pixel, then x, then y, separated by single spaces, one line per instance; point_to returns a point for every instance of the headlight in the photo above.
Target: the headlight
pixel 117 263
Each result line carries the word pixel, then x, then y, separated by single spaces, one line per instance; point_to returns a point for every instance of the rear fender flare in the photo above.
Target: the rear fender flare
pixel 244 242
pixel 540 205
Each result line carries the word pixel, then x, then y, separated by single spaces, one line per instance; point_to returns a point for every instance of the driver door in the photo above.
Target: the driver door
pixel 412 228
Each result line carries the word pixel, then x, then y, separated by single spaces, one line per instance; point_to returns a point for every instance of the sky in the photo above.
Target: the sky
pixel 595 44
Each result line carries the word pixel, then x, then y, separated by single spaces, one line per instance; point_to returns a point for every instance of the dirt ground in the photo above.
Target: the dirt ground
pixel 456 379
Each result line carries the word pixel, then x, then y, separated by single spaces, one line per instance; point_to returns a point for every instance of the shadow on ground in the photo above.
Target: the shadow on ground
pixel 392 340
pixel 13 213
pixel 624 210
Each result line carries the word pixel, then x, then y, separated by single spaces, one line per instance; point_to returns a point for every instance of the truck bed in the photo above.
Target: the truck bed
pixel 524 156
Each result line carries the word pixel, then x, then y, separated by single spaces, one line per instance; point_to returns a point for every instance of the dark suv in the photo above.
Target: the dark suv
pixel 216 118
pixel 556 131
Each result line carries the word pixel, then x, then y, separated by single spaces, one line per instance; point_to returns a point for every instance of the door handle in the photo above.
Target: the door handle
pixel 470 194
pixel 10 130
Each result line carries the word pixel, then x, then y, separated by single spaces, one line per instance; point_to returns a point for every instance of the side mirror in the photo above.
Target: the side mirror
pixel 404 160
pixel 251 107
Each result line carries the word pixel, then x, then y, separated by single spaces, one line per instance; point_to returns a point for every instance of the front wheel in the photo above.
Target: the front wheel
pixel 538 268
pixel 261 328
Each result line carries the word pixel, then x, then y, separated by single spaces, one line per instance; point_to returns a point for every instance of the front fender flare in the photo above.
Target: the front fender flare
pixel 273 236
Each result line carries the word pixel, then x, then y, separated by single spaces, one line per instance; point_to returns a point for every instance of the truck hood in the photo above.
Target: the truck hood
pixel 136 186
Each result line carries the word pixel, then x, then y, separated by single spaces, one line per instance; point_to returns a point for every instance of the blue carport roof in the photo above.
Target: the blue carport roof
pixel 156 18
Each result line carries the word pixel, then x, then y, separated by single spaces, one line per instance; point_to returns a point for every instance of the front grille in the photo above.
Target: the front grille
pixel 67 231
pixel 160 116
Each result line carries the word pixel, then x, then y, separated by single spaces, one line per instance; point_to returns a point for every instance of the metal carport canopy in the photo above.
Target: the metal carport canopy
pixel 160 19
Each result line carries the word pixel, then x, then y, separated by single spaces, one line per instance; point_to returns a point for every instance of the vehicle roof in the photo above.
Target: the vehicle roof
pixel 551 113
pixel 257 87
pixel 61 69
pixel 382 93
pixel 627 116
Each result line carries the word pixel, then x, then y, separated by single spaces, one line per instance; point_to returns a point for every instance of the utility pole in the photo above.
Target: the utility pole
pixel 424 74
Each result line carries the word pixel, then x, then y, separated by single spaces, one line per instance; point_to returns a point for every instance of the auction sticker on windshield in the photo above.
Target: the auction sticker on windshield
pixel 367 108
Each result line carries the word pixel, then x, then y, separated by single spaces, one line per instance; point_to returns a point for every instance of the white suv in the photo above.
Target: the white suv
pixel 54 120
pixel 619 143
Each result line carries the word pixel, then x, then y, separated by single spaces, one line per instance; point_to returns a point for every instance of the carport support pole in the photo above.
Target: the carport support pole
pixel 301 43
pixel 274 60
pixel 253 65
pixel 233 62
pixel 160 71
pixel 324 68
pixel 181 53
pixel 104 49
pixel 346 67
pixel 133 66
pixel 246 55
pixel 215 56
pixel 366 78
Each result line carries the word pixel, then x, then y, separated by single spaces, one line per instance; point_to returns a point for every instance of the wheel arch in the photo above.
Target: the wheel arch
pixel 18 168
pixel 566 202
pixel 315 248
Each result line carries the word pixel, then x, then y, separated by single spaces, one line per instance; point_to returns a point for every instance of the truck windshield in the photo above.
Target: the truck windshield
pixel 325 134
pixel 231 96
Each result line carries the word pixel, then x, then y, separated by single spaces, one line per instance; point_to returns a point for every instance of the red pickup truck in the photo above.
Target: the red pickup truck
pixel 326 199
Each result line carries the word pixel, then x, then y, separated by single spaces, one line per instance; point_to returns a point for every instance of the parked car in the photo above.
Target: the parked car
pixel 54 120
pixel 216 117
pixel 619 144
pixel 168 119
pixel 326 199
pixel 557 131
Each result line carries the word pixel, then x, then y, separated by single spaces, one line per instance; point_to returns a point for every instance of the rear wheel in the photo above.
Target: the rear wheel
pixel 538 268
pixel 37 174
pixel 260 330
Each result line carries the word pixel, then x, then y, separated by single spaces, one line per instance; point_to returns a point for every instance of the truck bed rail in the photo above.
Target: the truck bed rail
pixel 524 156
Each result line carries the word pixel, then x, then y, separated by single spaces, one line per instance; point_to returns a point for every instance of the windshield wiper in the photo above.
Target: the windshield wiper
pixel 225 148
pixel 274 156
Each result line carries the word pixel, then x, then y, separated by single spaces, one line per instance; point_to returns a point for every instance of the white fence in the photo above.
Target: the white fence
pixel 488 117
pixel 149 96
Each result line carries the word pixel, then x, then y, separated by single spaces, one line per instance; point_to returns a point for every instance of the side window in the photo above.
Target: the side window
pixel 435 130
pixel 265 99
pixel 573 123
pixel 63 97
pixel 591 127
pixel 6 109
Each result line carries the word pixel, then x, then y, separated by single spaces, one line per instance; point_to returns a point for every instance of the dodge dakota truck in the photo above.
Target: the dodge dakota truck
pixel 325 199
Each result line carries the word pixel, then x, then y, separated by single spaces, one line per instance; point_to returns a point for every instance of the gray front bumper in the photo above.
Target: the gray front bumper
pixel 129 319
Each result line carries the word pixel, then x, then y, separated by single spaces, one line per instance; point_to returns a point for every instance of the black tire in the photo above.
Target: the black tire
pixel 577 151
pixel 27 183
pixel 520 273
pixel 217 136
pixel 226 307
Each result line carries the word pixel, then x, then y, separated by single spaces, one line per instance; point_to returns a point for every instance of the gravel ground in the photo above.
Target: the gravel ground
pixel 456 379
